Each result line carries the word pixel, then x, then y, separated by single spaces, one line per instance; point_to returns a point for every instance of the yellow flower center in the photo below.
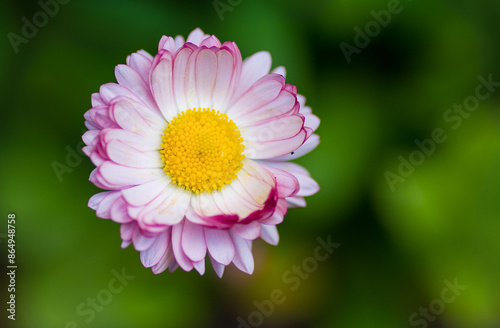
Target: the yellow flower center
pixel 202 150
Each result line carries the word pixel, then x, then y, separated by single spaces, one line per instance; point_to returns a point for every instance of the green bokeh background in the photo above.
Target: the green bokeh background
pixel 397 247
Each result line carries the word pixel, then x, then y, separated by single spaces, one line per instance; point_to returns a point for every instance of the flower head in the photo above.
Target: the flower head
pixel 192 146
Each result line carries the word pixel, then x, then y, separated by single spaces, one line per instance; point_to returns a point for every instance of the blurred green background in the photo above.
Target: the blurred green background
pixel 398 245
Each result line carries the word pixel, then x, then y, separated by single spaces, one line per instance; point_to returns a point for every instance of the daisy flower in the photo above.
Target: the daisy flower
pixel 192 147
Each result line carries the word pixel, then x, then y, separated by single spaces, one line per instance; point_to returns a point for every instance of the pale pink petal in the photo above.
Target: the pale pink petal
pixel 166 43
pixel 276 148
pixel 179 41
pixel 224 82
pixel 310 144
pixel 254 67
pixel 184 262
pixel 312 121
pixel 141 64
pixel 150 143
pixel 281 70
pixel 127 230
pixel 130 79
pixel 287 183
pixel 173 203
pixel 132 116
pixel 249 231
pixel 270 234
pixel 120 175
pixel 96 100
pixel 296 201
pixel 144 193
pixel 193 241
pixel 243 258
pixel 278 215
pixel 180 77
pixel 284 103
pixel 272 130
pixel 196 36
pixel 157 250
pixel 142 242
pixel 162 86
pixel 104 207
pixel 167 260
pixel 218 268
pixel 205 76
pixel 118 211
pixel 110 91
pixel 211 41
pixel 308 186
pixel 96 199
pixel 123 154
pixel 262 92
pixel 220 245
pixel 200 266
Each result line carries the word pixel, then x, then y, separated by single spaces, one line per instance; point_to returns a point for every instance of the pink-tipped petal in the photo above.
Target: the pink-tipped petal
pixel 254 67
